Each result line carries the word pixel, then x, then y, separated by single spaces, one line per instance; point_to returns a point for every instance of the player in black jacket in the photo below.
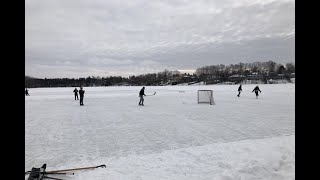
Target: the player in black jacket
pixel 256 90
pixel 27 92
pixel 76 94
pixel 81 92
pixel 141 94
pixel 239 90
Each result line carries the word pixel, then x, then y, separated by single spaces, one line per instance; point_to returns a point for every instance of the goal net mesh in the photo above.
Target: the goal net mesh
pixel 206 97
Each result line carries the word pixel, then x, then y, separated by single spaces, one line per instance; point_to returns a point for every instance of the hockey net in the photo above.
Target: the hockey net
pixel 205 97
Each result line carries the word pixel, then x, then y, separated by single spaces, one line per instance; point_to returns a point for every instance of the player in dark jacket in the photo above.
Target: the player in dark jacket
pixel 256 90
pixel 76 94
pixel 239 90
pixel 81 92
pixel 27 92
pixel 141 94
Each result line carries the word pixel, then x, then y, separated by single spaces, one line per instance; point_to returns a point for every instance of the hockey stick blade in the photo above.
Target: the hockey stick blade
pixel 103 166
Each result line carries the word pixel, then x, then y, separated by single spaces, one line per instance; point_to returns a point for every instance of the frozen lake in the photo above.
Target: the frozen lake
pixel 111 126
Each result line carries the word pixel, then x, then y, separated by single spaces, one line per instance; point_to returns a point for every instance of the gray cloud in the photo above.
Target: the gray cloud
pixel 78 38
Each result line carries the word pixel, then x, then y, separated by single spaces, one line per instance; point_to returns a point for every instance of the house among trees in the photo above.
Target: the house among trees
pixel 254 76
pixel 236 78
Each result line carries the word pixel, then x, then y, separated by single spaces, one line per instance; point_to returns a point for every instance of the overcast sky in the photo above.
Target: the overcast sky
pixel 81 38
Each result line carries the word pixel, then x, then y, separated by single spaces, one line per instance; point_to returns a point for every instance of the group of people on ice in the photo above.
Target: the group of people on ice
pixel 81 93
pixel 256 90
pixel 141 94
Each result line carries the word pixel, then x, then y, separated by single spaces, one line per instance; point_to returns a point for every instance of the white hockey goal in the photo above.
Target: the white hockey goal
pixel 205 97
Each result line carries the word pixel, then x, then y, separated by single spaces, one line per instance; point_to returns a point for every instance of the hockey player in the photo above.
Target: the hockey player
pixel 27 92
pixel 256 90
pixel 81 92
pixel 76 94
pixel 239 90
pixel 141 94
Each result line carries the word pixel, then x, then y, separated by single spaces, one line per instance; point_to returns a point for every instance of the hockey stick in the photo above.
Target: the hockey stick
pixel 75 169
pixel 152 94
pixel 66 173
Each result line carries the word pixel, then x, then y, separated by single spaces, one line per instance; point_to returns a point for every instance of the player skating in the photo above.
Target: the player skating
pixel 256 90
pixel 239 90
pixel 27 92
pixel 141 94
pixel 81 92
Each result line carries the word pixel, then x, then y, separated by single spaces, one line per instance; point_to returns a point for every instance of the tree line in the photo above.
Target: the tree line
pixel 208 74
pixel 242 71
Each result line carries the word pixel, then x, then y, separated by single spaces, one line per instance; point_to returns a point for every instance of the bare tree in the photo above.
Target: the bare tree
pixel 281 69
pixel 290 67
pixel 271 66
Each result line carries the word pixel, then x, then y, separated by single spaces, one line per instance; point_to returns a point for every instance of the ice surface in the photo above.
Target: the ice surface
pixel 171 137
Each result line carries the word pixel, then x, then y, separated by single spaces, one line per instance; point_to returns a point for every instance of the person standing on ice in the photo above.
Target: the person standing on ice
pixel 76 94
pixel 27 92
pixel 81 92
pixel 239 90
pixel 256 90
pixel 141 94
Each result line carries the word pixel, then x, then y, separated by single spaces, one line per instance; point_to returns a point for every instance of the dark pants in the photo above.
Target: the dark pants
pixel 81 100
pixel 239 94
pixel 76 97
pixel 257 94
pixel 141 100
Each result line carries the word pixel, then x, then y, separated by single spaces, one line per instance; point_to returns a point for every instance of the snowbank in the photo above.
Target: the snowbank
pixel 270 158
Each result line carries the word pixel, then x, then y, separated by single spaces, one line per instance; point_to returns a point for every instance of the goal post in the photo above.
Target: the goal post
pixel 205 97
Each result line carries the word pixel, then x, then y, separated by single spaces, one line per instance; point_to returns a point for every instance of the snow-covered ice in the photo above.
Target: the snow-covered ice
pixel 171 137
